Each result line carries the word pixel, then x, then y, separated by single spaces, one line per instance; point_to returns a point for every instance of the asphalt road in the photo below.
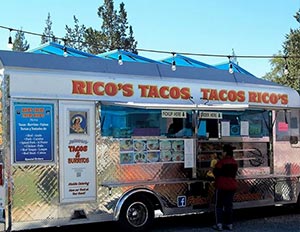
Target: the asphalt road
pixel 263 219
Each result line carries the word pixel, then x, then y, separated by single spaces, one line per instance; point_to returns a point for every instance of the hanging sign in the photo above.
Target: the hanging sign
pixel 173 114
pixel 210 115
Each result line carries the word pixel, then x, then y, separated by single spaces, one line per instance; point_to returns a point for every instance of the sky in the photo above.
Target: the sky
pixel 214 27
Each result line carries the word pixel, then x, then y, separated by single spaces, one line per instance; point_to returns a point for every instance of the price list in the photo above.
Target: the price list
pixel 33 134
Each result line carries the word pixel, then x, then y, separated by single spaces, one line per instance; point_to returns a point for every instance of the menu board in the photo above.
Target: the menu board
pixel 33 136
pixel 151 151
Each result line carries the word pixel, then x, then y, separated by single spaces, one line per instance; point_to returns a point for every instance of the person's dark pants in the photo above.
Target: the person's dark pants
pixel 223 207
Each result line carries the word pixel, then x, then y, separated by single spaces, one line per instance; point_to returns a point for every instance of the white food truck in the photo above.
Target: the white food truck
pixel 88 140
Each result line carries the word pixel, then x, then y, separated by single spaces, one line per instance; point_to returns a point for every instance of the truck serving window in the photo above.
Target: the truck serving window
pixel 125 122
pixel 287 125
pixel 249 123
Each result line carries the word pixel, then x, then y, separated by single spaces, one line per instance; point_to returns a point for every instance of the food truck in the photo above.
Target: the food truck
pixel 88 140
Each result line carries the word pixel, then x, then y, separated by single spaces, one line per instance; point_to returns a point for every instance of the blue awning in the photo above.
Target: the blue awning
pixel 181 60
pixel 58 49
pixel 126 56
pixel 235 67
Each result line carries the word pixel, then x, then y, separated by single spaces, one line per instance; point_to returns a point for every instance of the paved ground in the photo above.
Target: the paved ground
pixel 265 219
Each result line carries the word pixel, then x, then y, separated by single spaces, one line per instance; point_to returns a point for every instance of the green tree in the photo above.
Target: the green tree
pixel 289 58
pixel 292 49
pixel 75 37
pixel 20 43
pixel 127 41
pixel 115 32
pixel 94 41
pixel 277 70
pixel 48 34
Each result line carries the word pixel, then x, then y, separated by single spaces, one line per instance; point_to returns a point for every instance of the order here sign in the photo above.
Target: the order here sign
pixel 173 114
pixel 210 115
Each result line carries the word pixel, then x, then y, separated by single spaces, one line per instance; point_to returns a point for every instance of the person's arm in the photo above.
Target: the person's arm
pixel 217 169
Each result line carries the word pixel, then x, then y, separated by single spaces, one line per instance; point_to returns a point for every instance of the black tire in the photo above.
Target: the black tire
pixel 136 214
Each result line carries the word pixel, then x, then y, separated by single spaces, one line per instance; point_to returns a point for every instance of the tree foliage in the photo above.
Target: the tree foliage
pixel 292 49
pixel 290 54
pixel 115 32
pixel 48 34
pixel 20 43
pixel 75 37
pixel 277 70
pixel 95 41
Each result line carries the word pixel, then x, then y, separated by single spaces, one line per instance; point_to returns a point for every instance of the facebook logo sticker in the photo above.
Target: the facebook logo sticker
pixel 181 201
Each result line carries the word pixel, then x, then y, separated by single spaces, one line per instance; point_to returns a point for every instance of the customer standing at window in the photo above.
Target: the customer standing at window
pixel 225 173
pixel 175 126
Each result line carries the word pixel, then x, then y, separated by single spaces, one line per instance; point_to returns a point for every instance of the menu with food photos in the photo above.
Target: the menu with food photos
pixel 133 151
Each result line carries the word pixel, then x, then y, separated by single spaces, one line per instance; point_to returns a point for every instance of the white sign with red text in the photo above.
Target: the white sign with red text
pixel 77 151
pixel 146 89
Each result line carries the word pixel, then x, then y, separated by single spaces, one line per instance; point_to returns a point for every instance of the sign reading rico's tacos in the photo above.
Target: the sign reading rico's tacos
pixel 163 93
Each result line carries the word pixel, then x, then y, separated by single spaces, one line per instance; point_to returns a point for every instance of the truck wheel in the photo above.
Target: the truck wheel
pixel 136 214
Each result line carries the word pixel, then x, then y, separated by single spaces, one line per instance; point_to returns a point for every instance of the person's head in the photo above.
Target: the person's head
pixel 178 121
pixel 214 156
pixel 77 122
pixel 228 149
